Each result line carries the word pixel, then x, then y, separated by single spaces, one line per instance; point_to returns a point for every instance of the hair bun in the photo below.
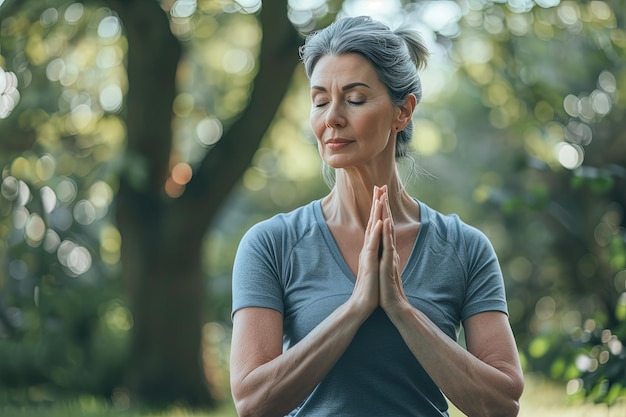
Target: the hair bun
pixel 415 43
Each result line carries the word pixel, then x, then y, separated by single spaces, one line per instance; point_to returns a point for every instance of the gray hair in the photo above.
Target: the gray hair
pixel 395 55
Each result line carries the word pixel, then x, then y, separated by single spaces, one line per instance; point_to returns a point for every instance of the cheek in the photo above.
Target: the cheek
pixel 317 125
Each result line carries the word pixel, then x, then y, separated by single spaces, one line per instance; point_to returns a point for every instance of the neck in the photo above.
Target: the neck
pixel 349 202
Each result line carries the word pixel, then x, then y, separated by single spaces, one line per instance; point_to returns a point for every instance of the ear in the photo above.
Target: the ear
pixel 405 111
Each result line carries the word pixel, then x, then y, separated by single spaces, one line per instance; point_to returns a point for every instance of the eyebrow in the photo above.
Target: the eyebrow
pixel 344 88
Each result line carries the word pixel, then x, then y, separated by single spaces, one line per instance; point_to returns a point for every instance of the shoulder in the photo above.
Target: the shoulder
pixel 284 228
pixel 451 228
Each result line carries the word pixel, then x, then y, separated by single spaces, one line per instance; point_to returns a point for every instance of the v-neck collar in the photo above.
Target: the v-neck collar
pixel 340 260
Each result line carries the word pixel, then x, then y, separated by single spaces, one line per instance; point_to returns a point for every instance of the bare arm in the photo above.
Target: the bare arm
pixel 485 380
pixel 265 381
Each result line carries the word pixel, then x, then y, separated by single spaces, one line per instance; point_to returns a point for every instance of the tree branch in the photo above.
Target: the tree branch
pixel 226 162
pixel 153 57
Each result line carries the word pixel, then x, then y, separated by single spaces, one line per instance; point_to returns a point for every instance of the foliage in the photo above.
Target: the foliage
pixel 521 128
pixel 91 162
pixel 553 197
pixel 64 319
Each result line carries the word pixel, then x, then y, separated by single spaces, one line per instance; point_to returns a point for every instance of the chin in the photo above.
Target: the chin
pixel 336 163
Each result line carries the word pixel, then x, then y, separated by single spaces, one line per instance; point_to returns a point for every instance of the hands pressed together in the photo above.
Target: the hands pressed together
pixel 379 281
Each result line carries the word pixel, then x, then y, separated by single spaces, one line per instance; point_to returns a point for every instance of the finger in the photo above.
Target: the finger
pixel 373 242
pixel 387 207
pixel 384 203
pixel 378 191
pixel 374 235
pixel 387 237
pixel 371 220
pixel 388 261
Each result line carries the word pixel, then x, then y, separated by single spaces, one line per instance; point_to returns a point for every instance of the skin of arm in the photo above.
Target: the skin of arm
pixel 265 381
pixel 484 380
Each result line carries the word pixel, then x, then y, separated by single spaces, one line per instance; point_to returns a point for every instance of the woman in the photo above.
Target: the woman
pixel 350 305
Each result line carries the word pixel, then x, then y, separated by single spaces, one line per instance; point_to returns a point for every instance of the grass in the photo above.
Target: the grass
pixel 91 407
pixel 541 399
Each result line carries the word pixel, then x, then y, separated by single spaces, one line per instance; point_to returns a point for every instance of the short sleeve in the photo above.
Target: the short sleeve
pixel 256 271
pixel 485 285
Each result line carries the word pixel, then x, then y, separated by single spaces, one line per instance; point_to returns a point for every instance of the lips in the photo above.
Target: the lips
pixel 336 144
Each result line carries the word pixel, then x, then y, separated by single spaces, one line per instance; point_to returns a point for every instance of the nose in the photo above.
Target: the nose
pixel 335 117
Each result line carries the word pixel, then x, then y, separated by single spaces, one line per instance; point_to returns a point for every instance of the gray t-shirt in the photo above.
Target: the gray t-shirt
pixel 291 263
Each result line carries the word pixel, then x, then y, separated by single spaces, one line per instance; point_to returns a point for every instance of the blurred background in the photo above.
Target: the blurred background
pixel 139 140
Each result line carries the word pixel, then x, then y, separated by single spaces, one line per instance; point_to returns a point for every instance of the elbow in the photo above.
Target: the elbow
pixel 514 409
pixel 508 405
pixel 513 395
pixel 245 409
pixel 509 408
pixel 252 406
pixel 243 404
pixel 505 403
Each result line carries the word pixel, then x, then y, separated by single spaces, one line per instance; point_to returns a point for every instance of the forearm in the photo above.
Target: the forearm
pixel 279 385
pixel 474 386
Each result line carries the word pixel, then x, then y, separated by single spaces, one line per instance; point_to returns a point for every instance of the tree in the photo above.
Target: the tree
pixel 163 236
pixel 162 239
pixel 524 126
pixel 543 157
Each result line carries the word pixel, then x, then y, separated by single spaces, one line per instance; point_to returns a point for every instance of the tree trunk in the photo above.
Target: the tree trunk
pixel 162 238
pixel 161 269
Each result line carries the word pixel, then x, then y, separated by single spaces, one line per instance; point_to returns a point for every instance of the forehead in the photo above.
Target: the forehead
pixel 343 69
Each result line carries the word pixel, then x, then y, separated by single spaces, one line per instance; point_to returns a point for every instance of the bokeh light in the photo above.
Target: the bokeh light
pixel 49 17
pixel 75 258
pixel 427 137
pixel 51 242
pixel 110 245
pixel 116 316
pixel 241 6
pixel 110 28
pixel 45 167
pixel 60 191
pixel 442 17
pixel 74 13
pixel 109 57
pixel 101 196
pixel 111 98
pixel 48 199
pixel 238 61
pixel 10 188
pixel 9 95
pixel 182 173
pixel 387 11
pixel 184 8
pixel 209 130
pixel 84 212
pixel 34 230
pixel 570 155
